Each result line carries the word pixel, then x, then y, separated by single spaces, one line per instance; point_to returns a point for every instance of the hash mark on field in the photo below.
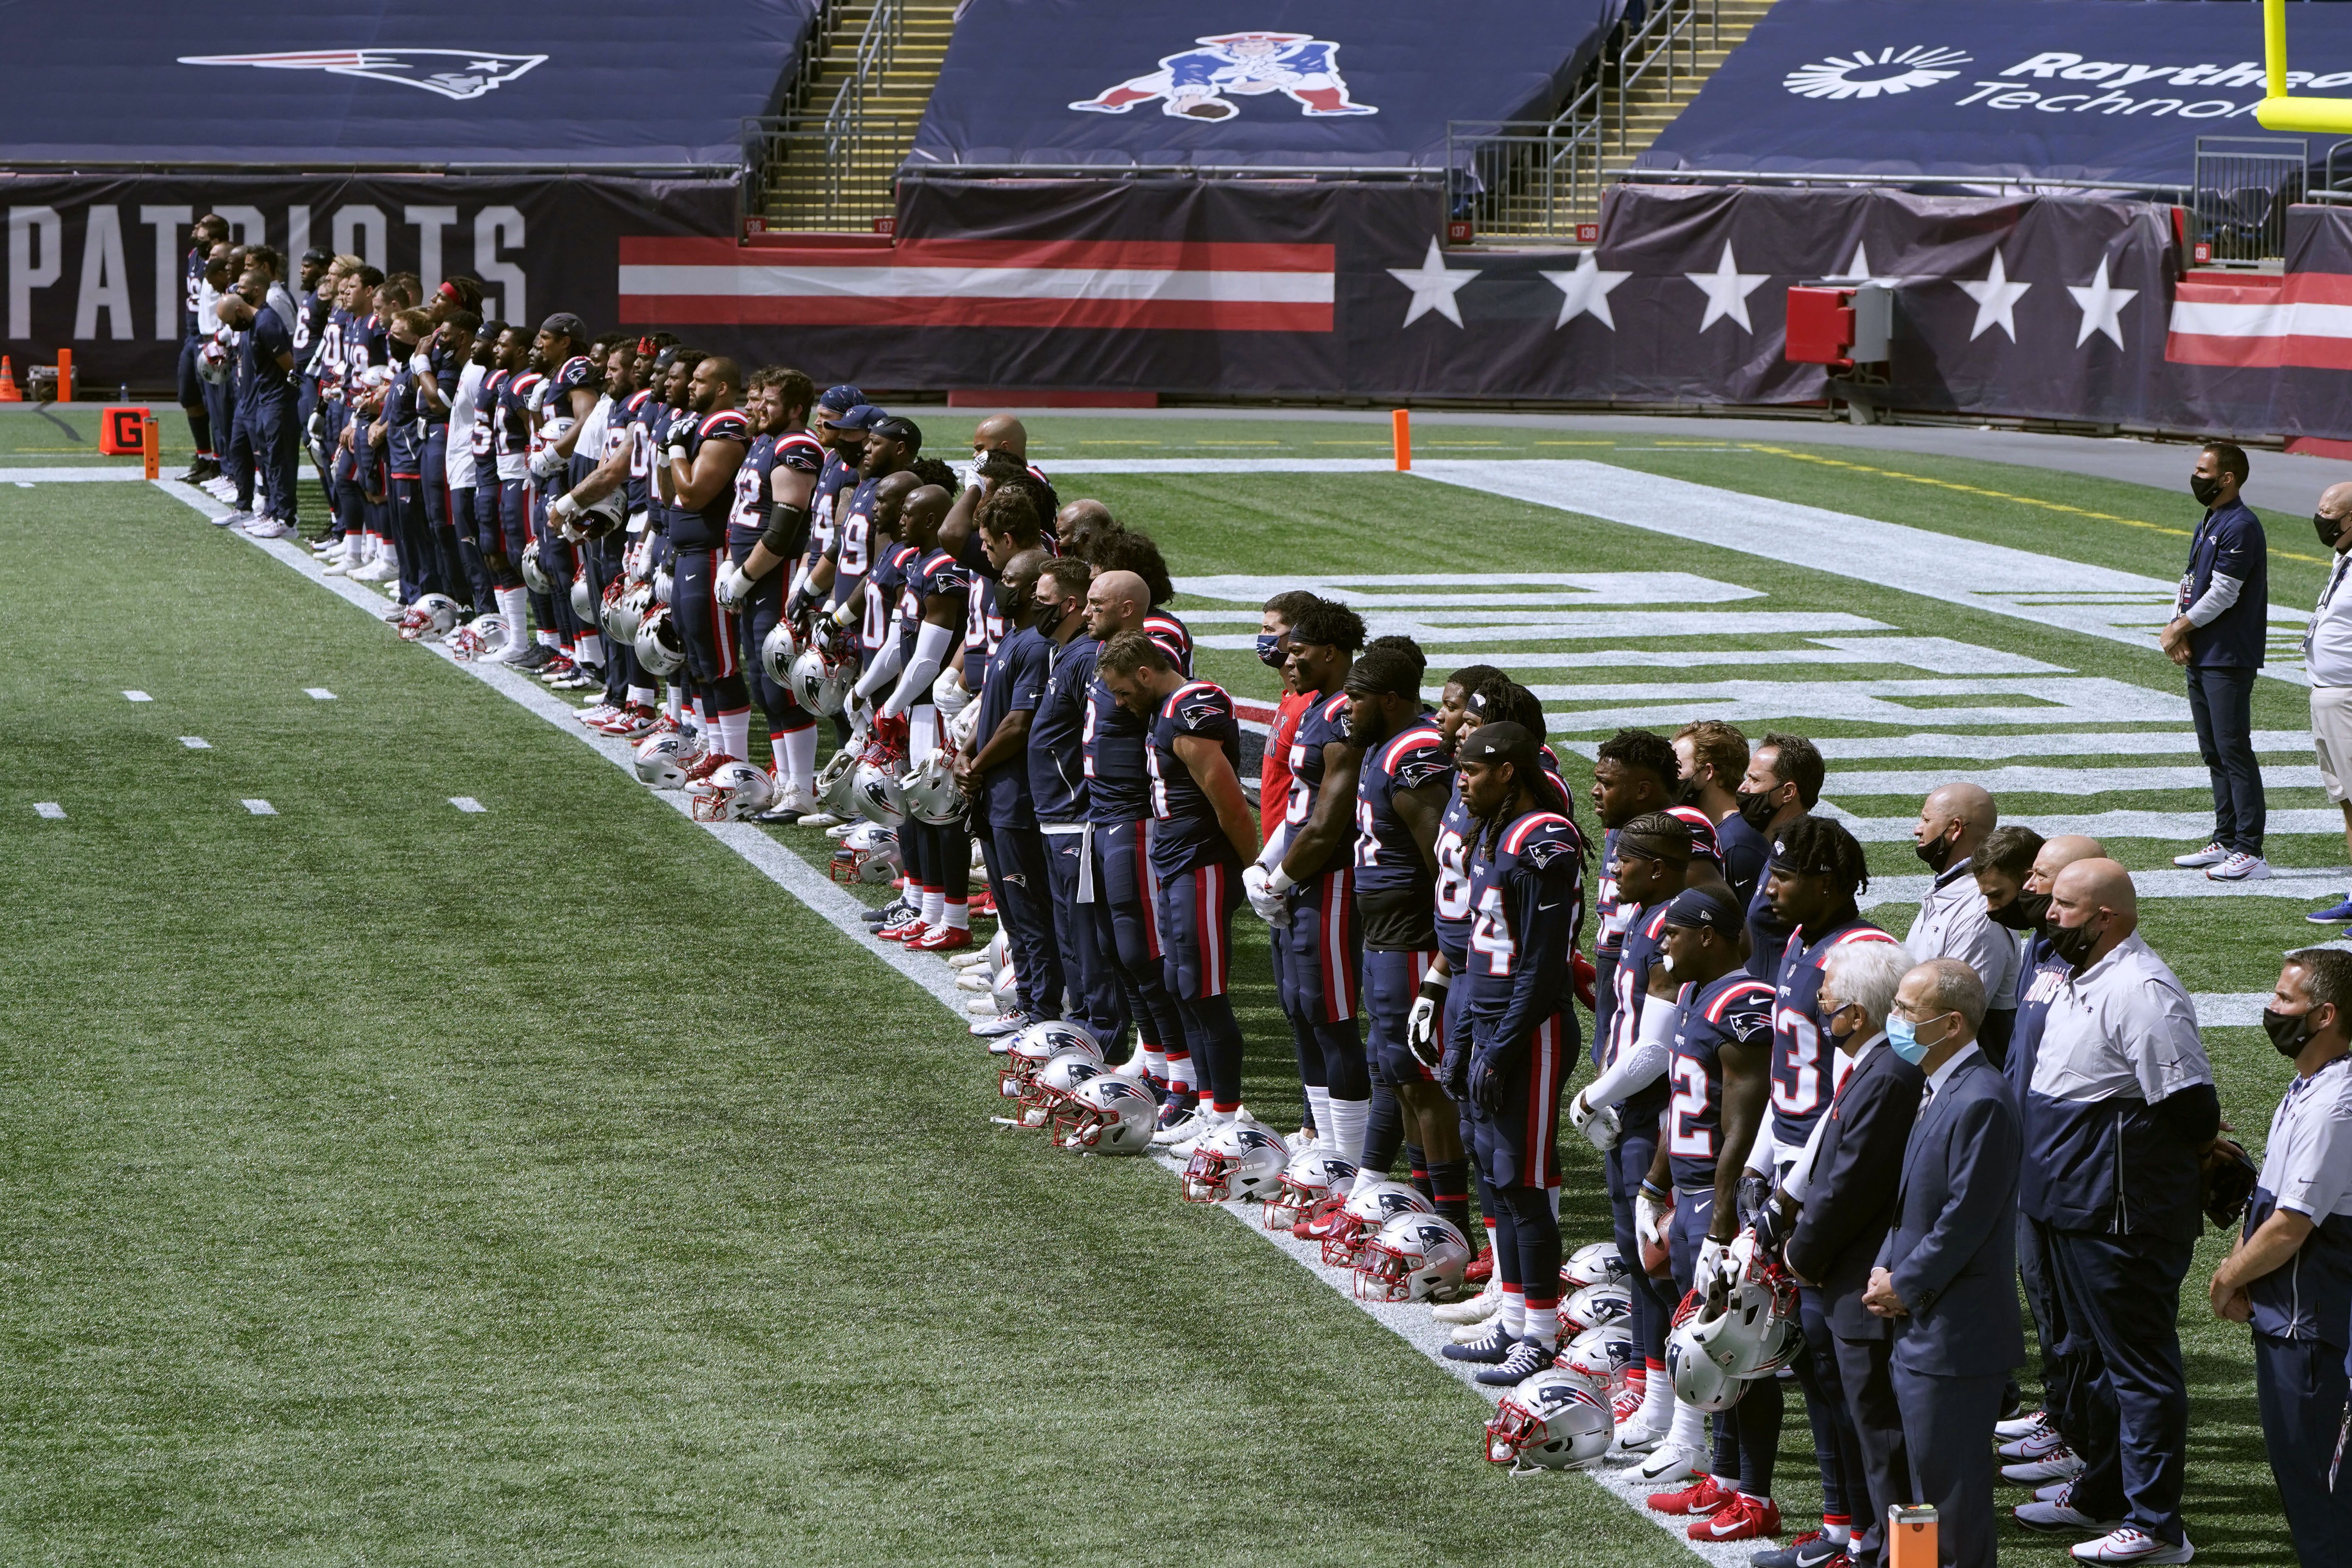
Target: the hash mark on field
pixel 261 808
pixel 319 692
pixel 195 743
pixel 467 802
pixel 48 808
pixel 136 696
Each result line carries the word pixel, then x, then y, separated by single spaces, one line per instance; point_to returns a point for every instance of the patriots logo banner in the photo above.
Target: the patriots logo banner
pixel 453 73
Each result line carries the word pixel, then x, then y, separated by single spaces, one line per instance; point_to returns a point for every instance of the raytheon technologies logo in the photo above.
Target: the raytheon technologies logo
pixel 1865 75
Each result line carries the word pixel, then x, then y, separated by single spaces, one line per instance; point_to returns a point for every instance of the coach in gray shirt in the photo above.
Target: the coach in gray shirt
pixel 1952 922
pixel 2328 656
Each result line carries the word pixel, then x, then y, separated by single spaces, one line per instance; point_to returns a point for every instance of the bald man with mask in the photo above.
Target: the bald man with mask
pixel 2328 656
pixel 2118 1112
pixel 1953 921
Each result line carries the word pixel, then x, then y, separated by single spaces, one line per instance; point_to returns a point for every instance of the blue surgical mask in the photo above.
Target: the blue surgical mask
pixel 1903 1039
pixel 1270 651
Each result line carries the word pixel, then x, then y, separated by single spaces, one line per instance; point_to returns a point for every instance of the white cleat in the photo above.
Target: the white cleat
pixel 1470 1313
pixel 2128 1544
pixel 2025 1426
pixel 1668 1465
pixel 1637 1437
pixel 2240 867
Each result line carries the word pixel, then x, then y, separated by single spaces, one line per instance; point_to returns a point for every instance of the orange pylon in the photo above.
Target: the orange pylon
pixel 8 392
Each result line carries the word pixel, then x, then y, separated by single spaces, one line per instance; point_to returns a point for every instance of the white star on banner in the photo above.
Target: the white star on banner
pixel 2103 307
pixel 1433 286
pixel 1585 291
pixel 1859 272
pixel 1727 290
pixel 1996 298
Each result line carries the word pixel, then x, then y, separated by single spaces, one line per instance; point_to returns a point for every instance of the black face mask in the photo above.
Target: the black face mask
pixel 1755 808
pixel 2289 1032
pixel 1271 651
pixel 2072 944
pixel 2203 488
pixel 1936 852
pixel 2023 913
pixel 2328 530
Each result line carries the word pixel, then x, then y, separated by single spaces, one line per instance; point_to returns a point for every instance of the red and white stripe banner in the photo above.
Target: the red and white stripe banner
pixel 1161 284
pixel 2304 319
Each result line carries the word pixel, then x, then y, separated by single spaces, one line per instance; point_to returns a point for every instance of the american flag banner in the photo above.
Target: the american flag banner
pixel 2263 321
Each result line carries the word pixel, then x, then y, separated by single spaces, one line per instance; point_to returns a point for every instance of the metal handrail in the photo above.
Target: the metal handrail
pixel 1671 21
pixel 878 47
pixel 951 171
pixel 1997 182
pixel 2327 176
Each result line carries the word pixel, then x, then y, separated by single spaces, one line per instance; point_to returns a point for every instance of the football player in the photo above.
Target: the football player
pixel 997 777
pixel 1783 782
pixel 907 726
pixel 564 401
pixel 1527 901
pixel 1720 1071
pixel 701 455
pixel 1401 793
pixel 1081 525
pixel 1118 802
pixel 208 231
pixel 674 386
pixel 495 355
pixel 1713 758
pixel 1057 787
pixel 768 529
pixel 1302 883
pixel 630 692
pixel 1129 551
pixel 513 430
pixel 1203 836
pixel 1275 620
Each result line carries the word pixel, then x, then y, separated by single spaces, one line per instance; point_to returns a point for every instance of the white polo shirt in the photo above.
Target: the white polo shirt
pixel 2122 1029
pixel 2307 1165
pixel 1952 922
pixel 2327 640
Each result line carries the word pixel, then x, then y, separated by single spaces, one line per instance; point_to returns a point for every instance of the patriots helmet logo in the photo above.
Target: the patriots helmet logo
pixel 452 73
pixel 1202 83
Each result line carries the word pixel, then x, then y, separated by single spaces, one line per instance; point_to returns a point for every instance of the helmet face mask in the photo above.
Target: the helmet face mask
pixel 868 859
pixel 1239 1160
pixel 1414 1258
pixel 1051 1085
pixel 659 648
pixel 1361 1216
pixel 1107 1115
pixel 1313 1175
pixel 734 793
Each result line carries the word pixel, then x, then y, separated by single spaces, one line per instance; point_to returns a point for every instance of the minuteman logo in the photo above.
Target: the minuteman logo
pixel 452 73
pixel 1865 75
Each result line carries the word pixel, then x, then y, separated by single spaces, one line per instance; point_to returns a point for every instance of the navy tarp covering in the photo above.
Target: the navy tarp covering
pixel 1369 84
pixel 533 82
pixel 2085 89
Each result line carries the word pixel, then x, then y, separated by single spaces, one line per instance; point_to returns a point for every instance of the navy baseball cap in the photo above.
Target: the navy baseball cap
pixel 1706 908
pixel 898 427
pixel 566 324
pixel 859 416
pixel 840 400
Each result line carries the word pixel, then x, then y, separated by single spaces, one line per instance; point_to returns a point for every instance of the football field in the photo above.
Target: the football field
pixel 424 1144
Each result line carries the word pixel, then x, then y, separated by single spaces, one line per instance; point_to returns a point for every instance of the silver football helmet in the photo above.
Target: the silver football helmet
pixel 820 683
pixel 874 790
pixel 665 586
pixel 1313 1174
pixel 835 784
pixel 659 648
pixel 1551 1422
pixel 623 610
pixel 1416 1258
pixel 1238 1160
pixel 1361 1217
pixel 1052 1084
pixel 1595 1305
pixel 1601 1356
pixel 534 570
pixel 437 615
pixel 1035 1045
pixel 778 649
pixel 483 634
pixel 929 793
pixel 867 855
pixel 584 600
pixel 661 761
pixel 1597 1264
pixel 1107 1115
pixel 733 792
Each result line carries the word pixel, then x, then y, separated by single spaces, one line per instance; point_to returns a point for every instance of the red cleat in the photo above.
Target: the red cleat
pixel 1703 1495
pixel 942 939
pixel 1741 1518
pixel 1481 1269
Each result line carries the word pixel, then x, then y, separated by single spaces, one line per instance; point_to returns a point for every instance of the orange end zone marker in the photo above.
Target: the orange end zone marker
pixel 1911 1536
pixel 152 445
pixel 1401 423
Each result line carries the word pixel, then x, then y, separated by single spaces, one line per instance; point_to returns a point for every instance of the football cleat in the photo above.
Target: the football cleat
pixel 2128 1543
pixel 2060 1464
pixel 2039 1442
pixel 1741 1518
pixel 630 721
pixel 1466 1314
pixel 1811 1550
pixel 1180 1122
pixel 1528 1358
pixel 906 928
pixel 1491 1348
pixel 1669 1463
pixel 1001 1026
pixel 2197 859
pixel 2024 1426
pixel 1548 1422
pixel 942 939
pixel 2059 1513
pixel 1703 1495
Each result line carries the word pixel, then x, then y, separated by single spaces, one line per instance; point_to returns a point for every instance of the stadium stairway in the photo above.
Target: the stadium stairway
pixel 1651 107
pixel 880 61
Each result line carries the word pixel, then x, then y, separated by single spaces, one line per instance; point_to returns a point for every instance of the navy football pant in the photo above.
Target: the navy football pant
pixel 601 560
pixel 762 613
pixel 1196 918
pixel 469 547
pixel 1127 930
pixel 1092 974
pixel 272 434
pixel 1022 885
pixel 1627 1166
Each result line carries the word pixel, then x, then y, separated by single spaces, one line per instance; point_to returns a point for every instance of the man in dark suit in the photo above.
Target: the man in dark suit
pixel 1847 1186
pixel 1945 1277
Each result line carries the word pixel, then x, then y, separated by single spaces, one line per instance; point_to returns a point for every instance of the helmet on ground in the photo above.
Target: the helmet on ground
pixel 1596 1264
pixel 930 792
pixel 1035 1045
pixel 819 683
pixel 1313 1173
pixel 866 854
pixel 1601 1356
pixel 1238 1160
pixel 778 649
pixel 659 646
pixel 661 761
pixel 874 790
pixel 1055 1082
pixel 733 792
pixel 1414 1258
pixel 1107 1115
pixel 1551 1422
pixel 1361 1216
pixel 1595 1305
pixel 437 613
pixel 584 600
pixel 483 634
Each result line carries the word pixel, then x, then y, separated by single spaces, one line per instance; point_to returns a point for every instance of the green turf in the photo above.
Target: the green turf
pixel 394 1182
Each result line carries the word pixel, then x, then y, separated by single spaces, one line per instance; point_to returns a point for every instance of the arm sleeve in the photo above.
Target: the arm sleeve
pixel 1645 1063
pixel 885 668
pixel 2218 596
pixel 931 644
pixel 1764 1151
pixel 787 532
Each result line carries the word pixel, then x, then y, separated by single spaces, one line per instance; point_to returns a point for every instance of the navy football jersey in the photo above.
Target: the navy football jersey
pixel 327 360
pixel 853 541
pixel 512 428
pixel 1325 722
pixel 192 280
pixel 1743 852
pixel 795 450
pixel 265 383
pixel 1016 684
pixel 1452 895
pixel 1174 638
pixel 1395 894
pixel 403 428
pixel 747 518
pixel 574 374
pixel 1114 739
pixel 884 605
pixel 1057 762
pixel 833 482
pixel 705 527
pixel 486 414
pixel 1645 932
pixel 1803 1075
pixel 935 574
pixel 1526 901
pixel 638 415
pixel 1185 834
pixel 1737 1008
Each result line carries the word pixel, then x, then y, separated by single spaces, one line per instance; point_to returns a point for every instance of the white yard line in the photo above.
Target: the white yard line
pixel 2186 828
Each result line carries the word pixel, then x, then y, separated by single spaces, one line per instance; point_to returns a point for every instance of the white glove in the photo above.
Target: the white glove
pixel 1269 905
pixel 421 363
pixel 1649 1220
pixel 731 586
pixel 545 464
pixel 1421 1028
pixel 1709 1267
pixel 1601 1127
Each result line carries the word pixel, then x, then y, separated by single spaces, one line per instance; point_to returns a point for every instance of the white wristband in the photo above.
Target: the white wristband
pixel 1279 881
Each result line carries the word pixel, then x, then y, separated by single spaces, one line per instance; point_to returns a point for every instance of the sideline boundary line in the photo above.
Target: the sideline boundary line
pixel 788 871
